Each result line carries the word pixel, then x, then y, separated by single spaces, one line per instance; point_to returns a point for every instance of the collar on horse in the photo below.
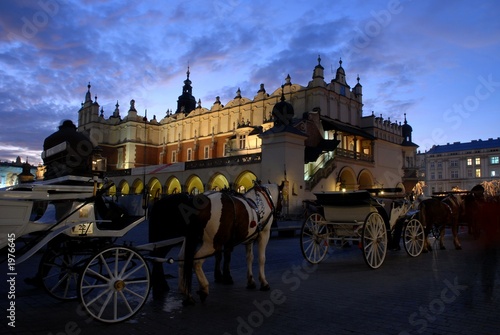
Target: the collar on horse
pixel 261 224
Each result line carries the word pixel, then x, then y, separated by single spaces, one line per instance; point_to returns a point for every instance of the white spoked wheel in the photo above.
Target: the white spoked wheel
pixel 60 267
pixel 114 284
pixel 374 240
pixel 59 271
pixel 314 238
pixel 413 237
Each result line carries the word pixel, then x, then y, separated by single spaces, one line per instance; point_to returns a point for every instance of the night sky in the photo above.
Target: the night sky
pixel 436 61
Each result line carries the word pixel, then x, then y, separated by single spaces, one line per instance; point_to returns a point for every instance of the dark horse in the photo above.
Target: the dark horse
pixel 439 212
pixel 168 219
pixel 225 220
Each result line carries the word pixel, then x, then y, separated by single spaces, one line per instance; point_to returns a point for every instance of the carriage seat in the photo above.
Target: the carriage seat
pixel 111 215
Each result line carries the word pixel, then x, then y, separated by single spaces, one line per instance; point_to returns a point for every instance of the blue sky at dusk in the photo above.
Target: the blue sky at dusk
pixel 436 61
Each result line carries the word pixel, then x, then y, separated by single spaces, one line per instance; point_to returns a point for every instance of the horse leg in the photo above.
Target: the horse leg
pixel 456 241
pixel 199 259
pixel 263 240
pixel 427 245
pixel 202 279
pixel 183 289
pixel 249 257
pixel 226 271
pixel 217 271
pixel 441 237
pixel 223 276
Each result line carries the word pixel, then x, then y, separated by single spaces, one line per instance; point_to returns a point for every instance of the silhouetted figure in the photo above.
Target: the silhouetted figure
pixel 67 152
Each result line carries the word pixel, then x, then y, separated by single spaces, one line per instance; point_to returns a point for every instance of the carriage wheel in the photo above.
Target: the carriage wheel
pixel 413 237
pixel 59 269
pixel 314 238
pixel 374 240
pixel 114 284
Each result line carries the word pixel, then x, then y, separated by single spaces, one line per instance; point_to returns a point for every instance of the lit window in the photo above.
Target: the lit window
pixel 243 139
pixel 478 173
pixel 469 161
pixel 493 173
pixel 494 160
pixel 478 161
pixel 206 152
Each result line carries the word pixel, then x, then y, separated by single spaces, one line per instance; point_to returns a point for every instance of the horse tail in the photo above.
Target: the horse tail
pixel 189 251
pixel 422 213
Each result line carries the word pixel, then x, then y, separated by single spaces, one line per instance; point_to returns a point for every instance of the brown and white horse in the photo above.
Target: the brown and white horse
pixel 436 213
pixel 223 221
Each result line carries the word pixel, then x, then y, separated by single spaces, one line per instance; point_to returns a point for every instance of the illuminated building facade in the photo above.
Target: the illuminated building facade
pixel 325 142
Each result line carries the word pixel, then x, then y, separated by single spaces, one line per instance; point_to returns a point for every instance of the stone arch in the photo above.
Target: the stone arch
pixel 173 185
pixel 112 190
pixel 347 179
pixel 137 187
pixel 123 188
pixel 365 179
pixel 154 189
pixel 244 181
pixel 401 186
pixel 218 182
pixel 194 185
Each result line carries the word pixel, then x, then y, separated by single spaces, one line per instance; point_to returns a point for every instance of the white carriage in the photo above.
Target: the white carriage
pixel 65 215
pixel 369 217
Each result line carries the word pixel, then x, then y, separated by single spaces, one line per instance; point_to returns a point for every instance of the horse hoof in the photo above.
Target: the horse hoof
pixel 188 302
pixel 265 287
pixel 203 295
pixel 251 286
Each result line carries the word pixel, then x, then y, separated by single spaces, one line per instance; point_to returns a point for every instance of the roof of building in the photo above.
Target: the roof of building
pixel 458 146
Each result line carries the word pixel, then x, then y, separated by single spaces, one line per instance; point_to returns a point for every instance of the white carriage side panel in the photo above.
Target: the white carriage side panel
pixel 14 218
pixel 348 214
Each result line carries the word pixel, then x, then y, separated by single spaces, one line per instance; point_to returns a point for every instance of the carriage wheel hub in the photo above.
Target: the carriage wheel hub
pixel 119 285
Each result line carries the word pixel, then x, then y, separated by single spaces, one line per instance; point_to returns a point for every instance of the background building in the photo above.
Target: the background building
pixel 314 136
pixel 13 173
pixel 462 165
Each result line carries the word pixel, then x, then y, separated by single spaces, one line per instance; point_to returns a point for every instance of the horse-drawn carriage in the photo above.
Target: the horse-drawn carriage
pixel 70 219
pixel 372 218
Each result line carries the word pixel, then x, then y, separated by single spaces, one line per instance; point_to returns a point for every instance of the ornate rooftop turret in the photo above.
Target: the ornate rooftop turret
pixel 318 70
pixel 186 102
pixel 340 75
pixel 406 131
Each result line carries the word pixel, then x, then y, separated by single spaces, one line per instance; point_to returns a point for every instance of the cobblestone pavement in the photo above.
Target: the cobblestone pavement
pixel 442 292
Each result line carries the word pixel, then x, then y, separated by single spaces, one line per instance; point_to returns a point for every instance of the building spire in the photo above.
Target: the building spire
pixel 186 102
pixel 88 96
